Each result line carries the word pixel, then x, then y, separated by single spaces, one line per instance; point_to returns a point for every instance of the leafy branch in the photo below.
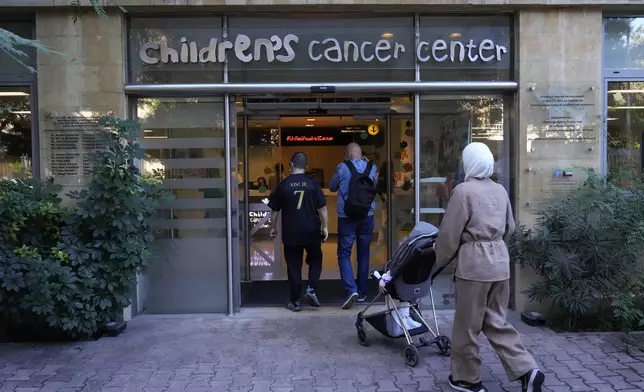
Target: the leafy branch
pixel 13 44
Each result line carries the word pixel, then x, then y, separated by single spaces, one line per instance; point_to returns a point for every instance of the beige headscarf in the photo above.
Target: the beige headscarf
pixel 478 161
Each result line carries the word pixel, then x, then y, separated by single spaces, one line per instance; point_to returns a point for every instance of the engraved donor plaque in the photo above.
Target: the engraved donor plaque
pixel 72 140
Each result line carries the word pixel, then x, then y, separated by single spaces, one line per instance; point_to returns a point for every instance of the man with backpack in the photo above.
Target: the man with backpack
pixel 355 181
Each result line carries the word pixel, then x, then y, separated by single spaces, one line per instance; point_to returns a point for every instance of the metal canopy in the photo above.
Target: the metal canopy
pixel 317 88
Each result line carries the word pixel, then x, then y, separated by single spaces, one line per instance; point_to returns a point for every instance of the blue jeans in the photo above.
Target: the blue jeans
pixel 348 231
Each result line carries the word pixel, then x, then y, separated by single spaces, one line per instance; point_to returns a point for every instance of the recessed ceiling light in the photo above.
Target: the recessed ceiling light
pixel 387 35
pixel 310 125
pixel 455 35
pixel 258 126
pixel 310 119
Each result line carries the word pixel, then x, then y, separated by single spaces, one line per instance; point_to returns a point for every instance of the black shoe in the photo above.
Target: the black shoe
pixel 312 298
pixel 464 386
pixel 353 297
pixel 532 381
pixel 294 306
pixel 362 298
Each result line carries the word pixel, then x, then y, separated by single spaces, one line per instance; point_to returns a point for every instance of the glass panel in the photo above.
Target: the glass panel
pixel 447 126
pixel 264 172
pixel 465 48
pixel 625 126
pixel 184 140
pixel 175 50
pixel 8 65
pixel 15 132
pixel 321 46
pixel 272 143
pixel 238 182
pixel 236 213
pixel 402 169
pixel 624 43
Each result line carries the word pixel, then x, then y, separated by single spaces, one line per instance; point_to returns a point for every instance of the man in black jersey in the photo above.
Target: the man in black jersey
pixel 301 202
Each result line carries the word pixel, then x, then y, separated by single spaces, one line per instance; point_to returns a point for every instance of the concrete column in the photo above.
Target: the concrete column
pixel 560 86
pixel 86 80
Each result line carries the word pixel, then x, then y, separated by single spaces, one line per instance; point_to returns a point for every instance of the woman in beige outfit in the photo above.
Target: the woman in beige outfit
pixel 473 234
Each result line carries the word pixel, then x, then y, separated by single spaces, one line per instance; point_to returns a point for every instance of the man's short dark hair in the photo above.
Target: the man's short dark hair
pixel 299 160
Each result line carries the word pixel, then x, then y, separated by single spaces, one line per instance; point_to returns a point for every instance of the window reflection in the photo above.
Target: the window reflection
pixel 447 126
pixel 15 133
pixel 625 126
pixel 624 43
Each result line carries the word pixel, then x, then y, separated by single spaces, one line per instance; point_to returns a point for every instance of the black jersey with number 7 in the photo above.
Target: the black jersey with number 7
pixel 299 197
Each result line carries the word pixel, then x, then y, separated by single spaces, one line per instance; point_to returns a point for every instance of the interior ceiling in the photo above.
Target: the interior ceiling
pixel 326 121
pixel 314 121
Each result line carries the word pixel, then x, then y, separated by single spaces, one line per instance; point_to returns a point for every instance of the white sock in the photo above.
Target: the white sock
pixel 409 322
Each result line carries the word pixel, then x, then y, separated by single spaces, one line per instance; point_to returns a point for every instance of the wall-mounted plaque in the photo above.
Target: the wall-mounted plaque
pixel 71 141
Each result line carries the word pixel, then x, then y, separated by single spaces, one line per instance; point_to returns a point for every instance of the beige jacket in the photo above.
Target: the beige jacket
pixel 474 231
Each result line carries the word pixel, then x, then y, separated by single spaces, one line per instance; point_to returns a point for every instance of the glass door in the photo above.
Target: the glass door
pixel 264 170
pixel 184 142
pixel 269 143
pixel 447 125
pixel 401 188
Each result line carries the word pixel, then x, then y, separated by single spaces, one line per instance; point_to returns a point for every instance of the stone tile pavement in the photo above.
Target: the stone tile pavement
pixel 273 350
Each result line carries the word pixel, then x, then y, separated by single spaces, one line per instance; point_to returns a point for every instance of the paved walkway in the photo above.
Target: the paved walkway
pixel 272 350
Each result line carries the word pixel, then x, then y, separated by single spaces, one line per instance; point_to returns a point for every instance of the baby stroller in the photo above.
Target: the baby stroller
pixel 411 280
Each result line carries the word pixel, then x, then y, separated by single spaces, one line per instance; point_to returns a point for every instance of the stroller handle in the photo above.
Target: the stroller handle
pixel 437 272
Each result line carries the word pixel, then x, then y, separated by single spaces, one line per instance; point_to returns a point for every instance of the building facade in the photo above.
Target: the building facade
pixel 228 91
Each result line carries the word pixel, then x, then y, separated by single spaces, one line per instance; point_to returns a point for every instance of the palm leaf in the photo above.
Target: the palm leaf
pixel 98 8
pixel 11 43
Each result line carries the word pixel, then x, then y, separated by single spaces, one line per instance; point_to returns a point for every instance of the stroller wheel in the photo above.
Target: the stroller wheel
pixel 444 345
pixel 362 337
pixel 412 356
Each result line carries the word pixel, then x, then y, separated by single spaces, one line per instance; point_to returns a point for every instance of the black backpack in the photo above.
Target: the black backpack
pixel 362 192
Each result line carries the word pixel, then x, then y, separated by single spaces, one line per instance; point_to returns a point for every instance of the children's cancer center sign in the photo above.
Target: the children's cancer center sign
pixel 333 43
pixel 282 49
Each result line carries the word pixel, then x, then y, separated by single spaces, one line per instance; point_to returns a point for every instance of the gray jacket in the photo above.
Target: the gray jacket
pixel 474 231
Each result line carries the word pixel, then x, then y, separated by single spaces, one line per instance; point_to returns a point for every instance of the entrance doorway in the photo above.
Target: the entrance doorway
pixel 274 130
pixel 271 130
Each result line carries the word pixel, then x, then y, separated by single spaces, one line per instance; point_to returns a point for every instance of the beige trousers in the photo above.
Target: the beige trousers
pixel 482 307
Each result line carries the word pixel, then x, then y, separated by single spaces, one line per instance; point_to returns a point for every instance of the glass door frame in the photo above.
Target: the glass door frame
pixel 243 119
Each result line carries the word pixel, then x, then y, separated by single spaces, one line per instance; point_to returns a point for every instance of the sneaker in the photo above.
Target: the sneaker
pixel 532 381
pixel 350 301
pixel 294 306
pixel 312 298
pixel 362 298
pixel 464 386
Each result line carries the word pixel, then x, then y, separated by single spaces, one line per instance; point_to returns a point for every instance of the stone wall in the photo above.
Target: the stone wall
pixel 559 109
pixel 75 87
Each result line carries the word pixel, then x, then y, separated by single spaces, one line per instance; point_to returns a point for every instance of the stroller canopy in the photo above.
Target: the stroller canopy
pixel 421 237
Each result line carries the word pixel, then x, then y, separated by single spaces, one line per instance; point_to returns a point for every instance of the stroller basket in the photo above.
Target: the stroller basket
pixel 417 258
pixel 385 324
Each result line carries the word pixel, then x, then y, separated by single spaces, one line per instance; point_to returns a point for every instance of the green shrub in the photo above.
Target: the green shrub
pixel 587 250
pixel 72 270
